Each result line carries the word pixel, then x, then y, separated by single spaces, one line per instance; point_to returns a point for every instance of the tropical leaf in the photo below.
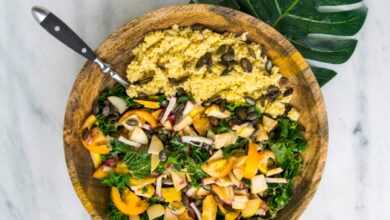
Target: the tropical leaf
pixel 313 31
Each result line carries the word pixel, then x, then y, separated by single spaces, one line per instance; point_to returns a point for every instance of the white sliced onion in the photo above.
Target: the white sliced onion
pixel 118 103
pixel 196 139
pixel 196 210
pixel 159 185
pixel 129 142
pixel 169 109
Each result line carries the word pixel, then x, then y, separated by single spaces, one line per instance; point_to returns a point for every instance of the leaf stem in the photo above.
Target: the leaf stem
pixel 285 13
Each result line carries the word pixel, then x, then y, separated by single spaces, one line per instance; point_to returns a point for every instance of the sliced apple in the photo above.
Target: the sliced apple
pixel 225 139
pixel 269 123
pixel 146 191
pixel 139 136
pixel 178 179
pixel 155 211
pixel 244 130
pixel 239 202
pixel 215 111
pixel 156 146
pixel 118 103
pixel 185 122
pixel 258 184
pixel 154 162
pixel 226 194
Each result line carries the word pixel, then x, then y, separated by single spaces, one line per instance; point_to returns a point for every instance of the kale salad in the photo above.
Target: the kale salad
pixel 174 158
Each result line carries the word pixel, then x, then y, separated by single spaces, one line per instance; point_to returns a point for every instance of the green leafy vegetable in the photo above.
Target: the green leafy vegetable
pixel 287 142
pixel 115 214
pixel 117 180
pixel 238 147
pixel 278 195
pixel 184 156
pixel 137 160
pixel 106 125
pixel 222 127
pixel 301 21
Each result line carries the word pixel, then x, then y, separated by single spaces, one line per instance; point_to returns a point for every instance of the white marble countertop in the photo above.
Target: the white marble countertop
pixel 37 72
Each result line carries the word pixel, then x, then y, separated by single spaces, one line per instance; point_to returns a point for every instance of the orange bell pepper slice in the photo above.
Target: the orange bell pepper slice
pixel 251 162
pixel 96 142
pixel 148 104
pixel 219 168
pixel 209 208
pixel 142 115
pixel 101 172
pixel 131 204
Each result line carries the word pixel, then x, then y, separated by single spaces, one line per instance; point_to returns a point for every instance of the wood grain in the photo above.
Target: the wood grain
pixel 116 49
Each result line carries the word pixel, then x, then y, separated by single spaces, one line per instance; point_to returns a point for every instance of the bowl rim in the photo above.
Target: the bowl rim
pixel 309 78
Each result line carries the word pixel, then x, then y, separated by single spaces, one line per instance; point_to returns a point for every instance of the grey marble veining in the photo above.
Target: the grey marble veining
pixel 37 72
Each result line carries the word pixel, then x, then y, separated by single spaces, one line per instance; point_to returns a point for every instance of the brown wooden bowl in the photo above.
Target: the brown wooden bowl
pixel 116 49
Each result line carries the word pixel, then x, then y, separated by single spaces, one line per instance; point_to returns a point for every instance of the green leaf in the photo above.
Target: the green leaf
pixel 299 19
pixel 323 75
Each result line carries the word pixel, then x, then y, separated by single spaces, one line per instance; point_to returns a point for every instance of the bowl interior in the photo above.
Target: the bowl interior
pixel 116 50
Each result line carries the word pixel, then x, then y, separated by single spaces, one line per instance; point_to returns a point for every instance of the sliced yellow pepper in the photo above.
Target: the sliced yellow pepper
pixel 96 159
pixel 131 205
pixel 170 194
pixel 209 208
pixel 148 104
pixel 219 168
pixel 101 172
pixel 251 162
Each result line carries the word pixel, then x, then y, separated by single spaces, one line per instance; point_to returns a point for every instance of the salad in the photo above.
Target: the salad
pixel 174 158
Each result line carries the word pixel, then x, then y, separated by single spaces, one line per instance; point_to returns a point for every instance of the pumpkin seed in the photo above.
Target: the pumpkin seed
pixel 145 80
pixel 222 49
pixel 177 81
pixel 273 92
pixel 242 113
pixel 246 65
pixel 268 66
pixel 250 100
pixel 252 116
pixel 228 56
pixel 132 122
pixel 206 59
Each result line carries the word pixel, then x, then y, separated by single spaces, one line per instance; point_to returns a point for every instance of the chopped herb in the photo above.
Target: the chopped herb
pixel 117 180
pixel 222 127
pixel 238 147
pixel 106 125
pixel 115 214
pixel 137 160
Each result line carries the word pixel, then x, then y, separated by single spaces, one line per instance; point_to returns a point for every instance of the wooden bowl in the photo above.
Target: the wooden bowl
pixel 116 49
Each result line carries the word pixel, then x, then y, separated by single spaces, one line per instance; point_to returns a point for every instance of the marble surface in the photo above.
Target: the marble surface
pixel 37 72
